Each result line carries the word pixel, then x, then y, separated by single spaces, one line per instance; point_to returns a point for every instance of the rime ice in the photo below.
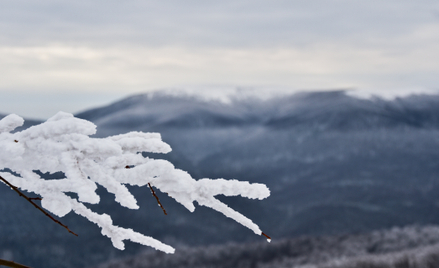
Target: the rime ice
pixel 62 143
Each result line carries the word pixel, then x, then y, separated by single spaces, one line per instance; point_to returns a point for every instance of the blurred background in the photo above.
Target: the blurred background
pixel 333 104
pixel 74 55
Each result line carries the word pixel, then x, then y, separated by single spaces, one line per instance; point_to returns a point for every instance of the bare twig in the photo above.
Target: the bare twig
pixel 156 197
pixel 35 205
pixel 268 238
pixel 153 193
pixel 12 264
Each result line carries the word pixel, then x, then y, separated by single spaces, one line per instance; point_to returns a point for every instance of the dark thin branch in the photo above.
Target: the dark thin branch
pixel 35 205
pixel 268 238
pixel 156 197
pixel 12 264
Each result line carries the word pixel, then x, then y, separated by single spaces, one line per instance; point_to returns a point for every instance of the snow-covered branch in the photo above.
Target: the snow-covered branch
pixel 63 144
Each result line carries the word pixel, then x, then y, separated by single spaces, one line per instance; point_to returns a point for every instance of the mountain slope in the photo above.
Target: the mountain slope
pixel 334 163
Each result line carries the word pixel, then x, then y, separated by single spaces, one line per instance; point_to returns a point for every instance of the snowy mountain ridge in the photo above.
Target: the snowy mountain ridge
pixel 334 163
pixel 335 108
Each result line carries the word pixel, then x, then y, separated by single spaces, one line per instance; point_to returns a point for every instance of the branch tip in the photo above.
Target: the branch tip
pixel 268 238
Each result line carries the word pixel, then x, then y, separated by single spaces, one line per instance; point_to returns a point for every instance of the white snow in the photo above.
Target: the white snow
pixel 63 143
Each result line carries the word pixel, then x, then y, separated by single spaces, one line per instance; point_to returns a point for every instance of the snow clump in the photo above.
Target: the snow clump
pixel 63 144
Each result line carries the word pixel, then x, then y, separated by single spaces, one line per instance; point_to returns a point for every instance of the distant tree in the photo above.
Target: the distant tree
pixel 63 144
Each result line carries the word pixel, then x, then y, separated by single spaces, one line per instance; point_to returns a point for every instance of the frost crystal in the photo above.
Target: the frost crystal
pixel 62 144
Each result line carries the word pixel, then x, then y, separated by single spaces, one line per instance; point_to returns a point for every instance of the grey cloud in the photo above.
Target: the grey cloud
pixel 210 23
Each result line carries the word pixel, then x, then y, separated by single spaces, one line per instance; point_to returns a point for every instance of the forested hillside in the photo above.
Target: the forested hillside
pixel 409 247
pixel 335 164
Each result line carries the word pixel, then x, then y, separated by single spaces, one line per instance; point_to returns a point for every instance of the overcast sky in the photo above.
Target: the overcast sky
pixel 71 55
